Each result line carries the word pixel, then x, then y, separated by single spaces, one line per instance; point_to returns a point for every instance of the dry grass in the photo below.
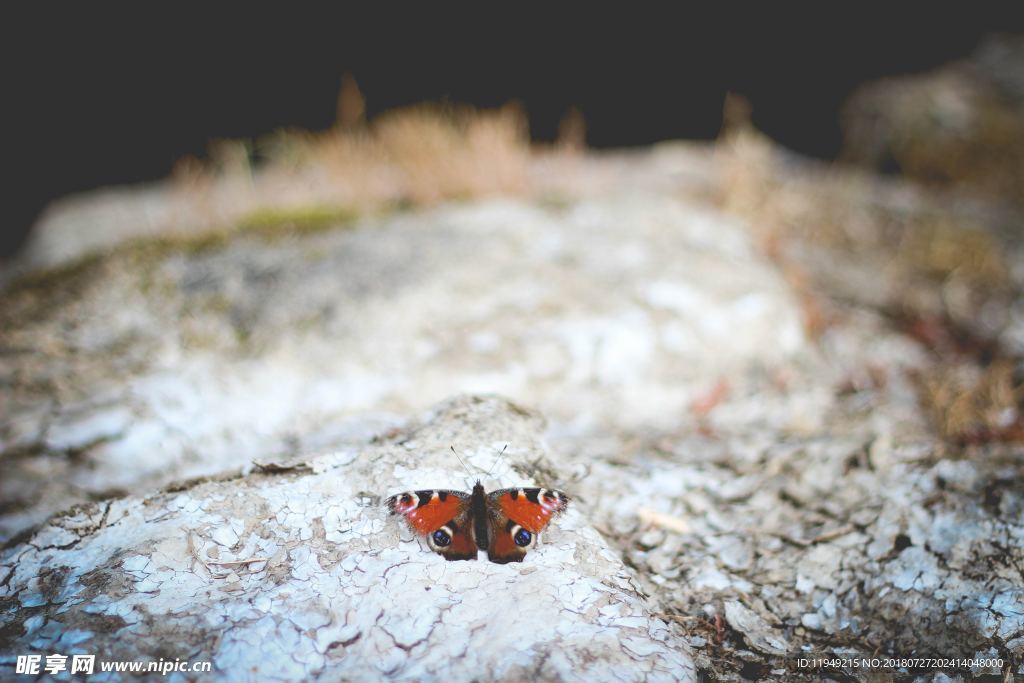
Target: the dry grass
pixel 969 405
pixel 900 248
pixel 409 157
pixel 900 230
pixel 947 128
pixel 941 249
pixel 452 153
pixel 294 182
pixel 420 155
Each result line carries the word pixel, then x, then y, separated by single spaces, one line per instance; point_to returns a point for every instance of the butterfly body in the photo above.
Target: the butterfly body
pixel 456 524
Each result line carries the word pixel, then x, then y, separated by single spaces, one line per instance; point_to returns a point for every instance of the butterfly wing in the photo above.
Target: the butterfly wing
pixel 440 516
pixel 515 519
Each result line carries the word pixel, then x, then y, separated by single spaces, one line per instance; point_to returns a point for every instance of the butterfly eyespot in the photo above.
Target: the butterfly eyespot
pixel 403 502
pixel 522 538
pixel 442 538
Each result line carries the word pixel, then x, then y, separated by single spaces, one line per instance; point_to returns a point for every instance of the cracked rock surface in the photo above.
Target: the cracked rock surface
pixel 159 365
pixel 786 400
pixel 295 573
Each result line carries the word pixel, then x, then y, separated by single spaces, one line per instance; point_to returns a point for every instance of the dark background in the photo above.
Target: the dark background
pixel 100 100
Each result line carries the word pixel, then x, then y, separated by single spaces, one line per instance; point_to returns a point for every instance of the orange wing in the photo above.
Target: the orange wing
pixel 442 517
pixel 516 517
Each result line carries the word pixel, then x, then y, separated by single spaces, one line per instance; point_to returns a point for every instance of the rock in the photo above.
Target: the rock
pixel 759 635
pixel 961 124
pixel 176 363
pixel 135 579
pixel 792 412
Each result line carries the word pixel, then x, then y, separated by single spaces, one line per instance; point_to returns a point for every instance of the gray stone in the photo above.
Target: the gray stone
pixel 354 599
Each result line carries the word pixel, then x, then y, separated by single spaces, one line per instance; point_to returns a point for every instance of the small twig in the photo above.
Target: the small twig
pixel 219 563
pixel 195 553
pixel 835 533
pixel 822 537
pixel 160 518
pixel 663 520
pixel 281 468
pixel 680 617
pixel 252 560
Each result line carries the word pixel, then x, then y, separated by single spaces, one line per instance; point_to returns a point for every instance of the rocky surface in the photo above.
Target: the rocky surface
pixel 786 400
pixel 295 573
pixel 156 366
pixel 961 125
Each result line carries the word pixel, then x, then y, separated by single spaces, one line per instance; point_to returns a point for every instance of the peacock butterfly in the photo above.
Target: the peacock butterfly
pixel 505 523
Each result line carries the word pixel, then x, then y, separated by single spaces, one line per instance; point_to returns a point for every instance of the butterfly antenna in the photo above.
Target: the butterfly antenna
pixel 496 461
pixel 463 462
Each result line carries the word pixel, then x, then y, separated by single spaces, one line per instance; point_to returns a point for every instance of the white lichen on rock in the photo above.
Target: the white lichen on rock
pixel 298 573
pixel 182 364
pixel 745 427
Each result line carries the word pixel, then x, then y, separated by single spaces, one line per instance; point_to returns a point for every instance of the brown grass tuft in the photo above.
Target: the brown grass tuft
pixel 976 406
pixel 351 104
pixel 419 155
pixel 927 263
pixel 454 153
pixel 415 156
pixel 572 132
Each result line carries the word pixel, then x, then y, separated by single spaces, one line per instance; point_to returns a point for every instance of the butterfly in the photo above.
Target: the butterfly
pixel 506 523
